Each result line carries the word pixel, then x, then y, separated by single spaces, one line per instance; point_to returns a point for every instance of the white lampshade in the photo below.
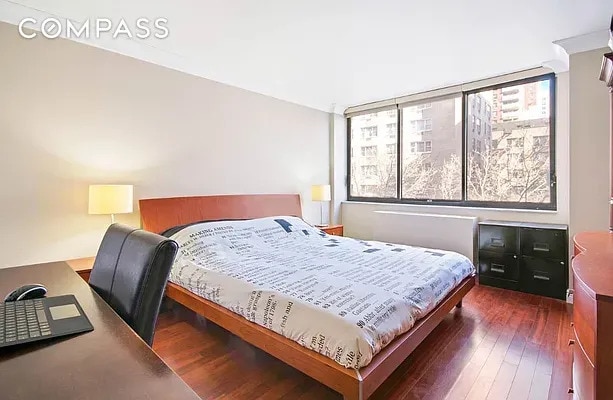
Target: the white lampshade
pixel 111 199
pixel 320 193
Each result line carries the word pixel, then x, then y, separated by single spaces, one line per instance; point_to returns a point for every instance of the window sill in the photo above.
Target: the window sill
pixel 451 208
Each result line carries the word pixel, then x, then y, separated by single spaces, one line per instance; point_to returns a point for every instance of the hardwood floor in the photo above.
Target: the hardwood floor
pixel 500 345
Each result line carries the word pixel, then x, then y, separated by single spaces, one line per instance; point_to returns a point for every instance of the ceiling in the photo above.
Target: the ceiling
pixel 332 54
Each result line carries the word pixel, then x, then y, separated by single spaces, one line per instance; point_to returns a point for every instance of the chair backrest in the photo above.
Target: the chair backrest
pixel 130 274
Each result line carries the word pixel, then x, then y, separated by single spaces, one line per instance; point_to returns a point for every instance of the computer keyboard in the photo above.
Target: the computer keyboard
pixel 22 321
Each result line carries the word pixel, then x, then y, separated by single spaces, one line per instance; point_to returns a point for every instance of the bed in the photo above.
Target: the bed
pixel 158 215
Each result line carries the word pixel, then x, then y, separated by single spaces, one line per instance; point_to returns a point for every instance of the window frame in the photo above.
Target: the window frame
pixel 464 202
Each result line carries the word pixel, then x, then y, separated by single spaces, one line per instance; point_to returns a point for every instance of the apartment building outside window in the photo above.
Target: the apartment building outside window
pixel 369 151
pixel 369 132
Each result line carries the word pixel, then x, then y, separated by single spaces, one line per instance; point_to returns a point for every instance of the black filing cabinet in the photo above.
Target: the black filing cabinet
pixel 531 258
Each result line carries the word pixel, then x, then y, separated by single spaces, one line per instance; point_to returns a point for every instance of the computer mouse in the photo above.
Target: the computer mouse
pixel 27 292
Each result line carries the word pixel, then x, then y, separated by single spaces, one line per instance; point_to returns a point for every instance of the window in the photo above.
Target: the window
pixel 421 147
pixel 420 125
pixel 520 172
pixel 515 142
pixel 431 168
pixel 509 147
pixel 374 161
pixel 369 132
pixel 369 170
pixel 369 151
pixel 540 143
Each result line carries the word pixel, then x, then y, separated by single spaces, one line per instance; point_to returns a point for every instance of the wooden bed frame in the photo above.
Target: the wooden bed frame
pixel 161 214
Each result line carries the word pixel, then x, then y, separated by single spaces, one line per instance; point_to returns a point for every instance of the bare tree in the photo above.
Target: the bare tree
pixel 418 177
pixel 379 180
pixel 517 172
pixel 515 168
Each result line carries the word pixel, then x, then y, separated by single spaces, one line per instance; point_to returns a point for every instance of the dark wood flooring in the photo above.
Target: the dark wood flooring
pixel 500 345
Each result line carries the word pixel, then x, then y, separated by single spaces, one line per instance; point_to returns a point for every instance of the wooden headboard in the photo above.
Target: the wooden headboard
pixel 159 215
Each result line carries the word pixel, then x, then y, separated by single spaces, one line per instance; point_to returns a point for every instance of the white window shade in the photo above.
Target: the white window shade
pixel 368 108
pixel 443 92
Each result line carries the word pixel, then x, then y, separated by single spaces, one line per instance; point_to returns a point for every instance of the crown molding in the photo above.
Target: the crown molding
pixel 589 41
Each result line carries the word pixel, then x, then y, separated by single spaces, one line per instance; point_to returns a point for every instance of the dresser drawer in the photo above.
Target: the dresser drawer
pixel 583 374
pixel 548 243
pixel 584 319
pixel 498 239
pixel 502 266
pixel 544 277
pixel 498 282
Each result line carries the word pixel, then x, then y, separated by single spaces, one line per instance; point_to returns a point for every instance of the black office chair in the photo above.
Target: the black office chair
pixel 130 274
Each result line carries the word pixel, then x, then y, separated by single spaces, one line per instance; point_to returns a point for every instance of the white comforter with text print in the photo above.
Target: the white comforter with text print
pixel 342 297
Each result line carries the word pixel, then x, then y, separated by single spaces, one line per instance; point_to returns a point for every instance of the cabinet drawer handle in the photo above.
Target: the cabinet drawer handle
pixel 497 268
pixel 571 391
pixel 571 342
pixel 542 277
pixel 540 247
pixel 496 242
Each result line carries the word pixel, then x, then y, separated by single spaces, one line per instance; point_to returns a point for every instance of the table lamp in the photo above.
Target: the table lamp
pixel 321 193
pixel 111 199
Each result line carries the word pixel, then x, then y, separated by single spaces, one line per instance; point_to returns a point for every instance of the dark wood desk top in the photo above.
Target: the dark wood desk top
pixel 111 362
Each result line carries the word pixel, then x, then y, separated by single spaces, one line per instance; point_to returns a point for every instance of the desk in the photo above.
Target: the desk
pixel 111 362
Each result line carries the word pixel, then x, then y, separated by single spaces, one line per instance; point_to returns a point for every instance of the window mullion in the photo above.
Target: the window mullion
pixel 399 153
pixel 464 147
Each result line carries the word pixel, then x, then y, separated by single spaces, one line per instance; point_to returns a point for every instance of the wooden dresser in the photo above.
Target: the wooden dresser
pixel 593 294
pixel 592 344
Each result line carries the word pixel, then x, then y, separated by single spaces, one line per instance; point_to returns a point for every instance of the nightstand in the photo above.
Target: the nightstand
pixel 82 266
pixel 336 230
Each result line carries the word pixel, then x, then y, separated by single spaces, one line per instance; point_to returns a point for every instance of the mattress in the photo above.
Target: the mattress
pixel 341 297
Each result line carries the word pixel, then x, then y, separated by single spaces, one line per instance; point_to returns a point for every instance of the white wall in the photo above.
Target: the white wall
pixel 589 143
pixel 72 115
pixel 338 159
pixel 359 218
